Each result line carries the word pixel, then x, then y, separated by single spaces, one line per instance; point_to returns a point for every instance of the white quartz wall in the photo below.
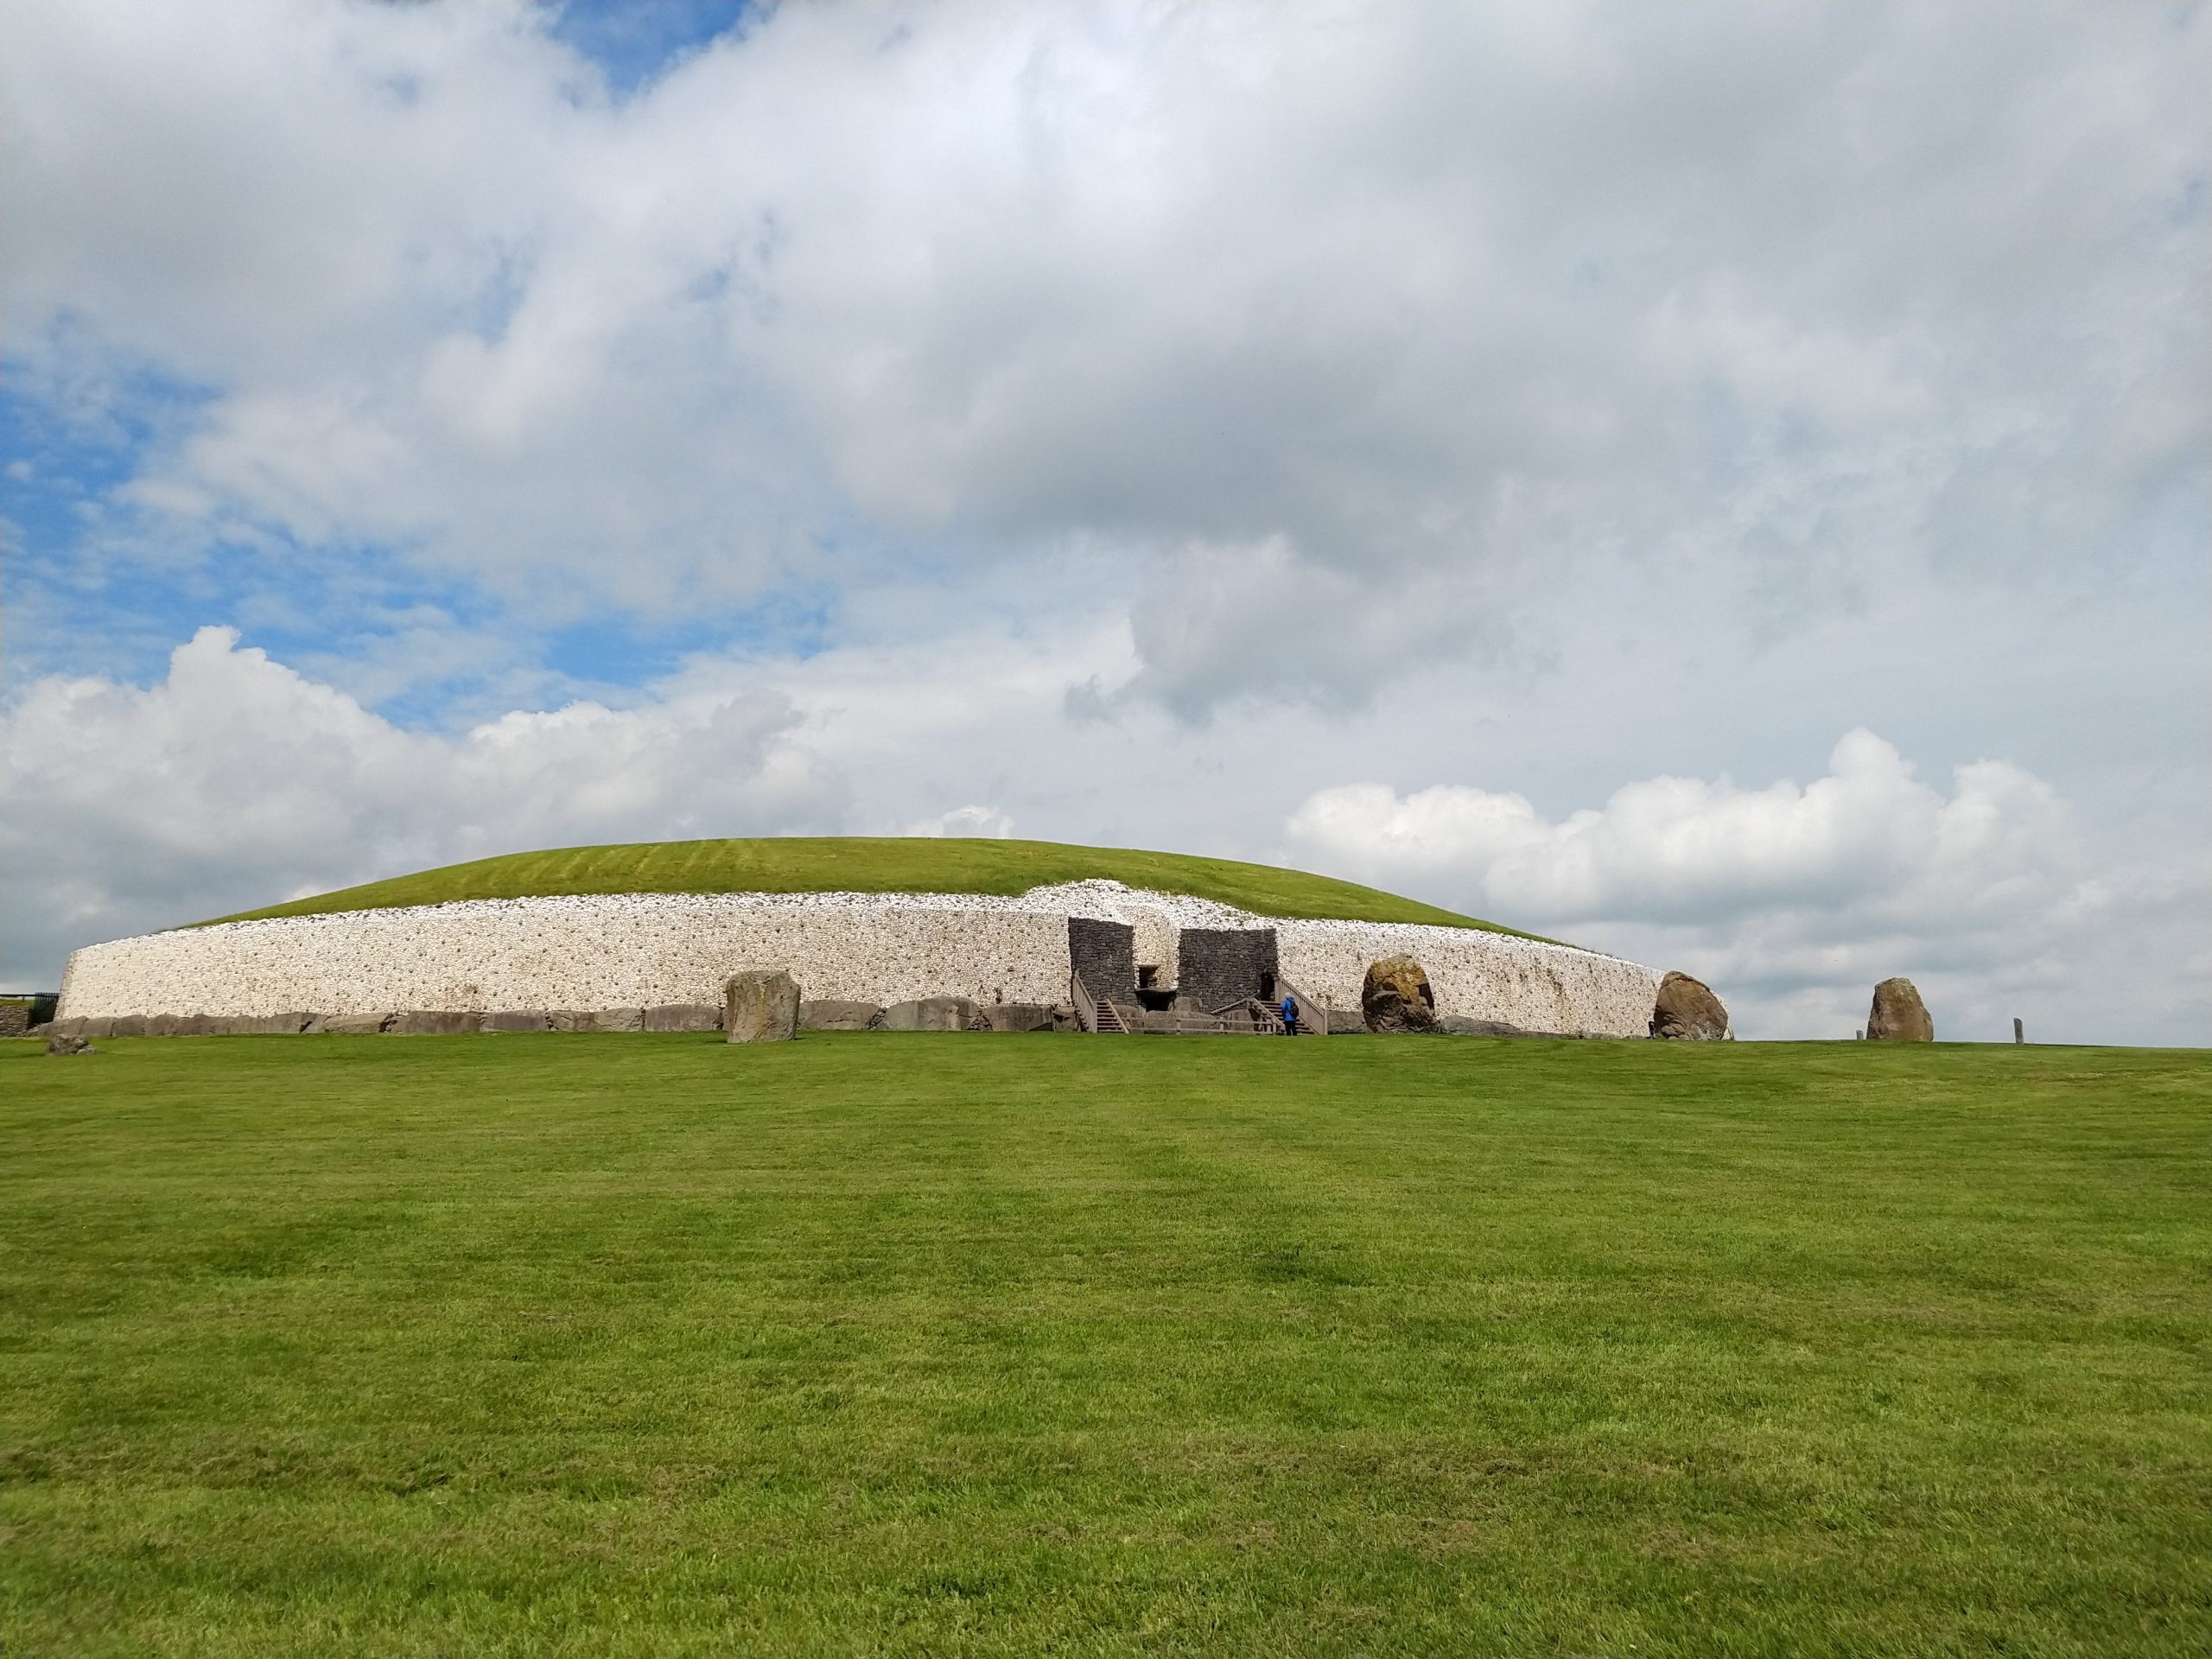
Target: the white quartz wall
pixel 1481 976
pixel 610 952
pixel 633 951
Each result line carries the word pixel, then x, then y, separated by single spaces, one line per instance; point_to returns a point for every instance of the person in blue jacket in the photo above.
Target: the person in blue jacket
pixel 1290 1016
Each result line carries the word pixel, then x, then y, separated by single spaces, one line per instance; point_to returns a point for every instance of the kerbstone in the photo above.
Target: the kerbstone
pixel 600 1019
pixel 930 1013
pixel 1460 1025
pixel 356 1025
pixel 684 1016
pixel 831 1014
pixel 434 1022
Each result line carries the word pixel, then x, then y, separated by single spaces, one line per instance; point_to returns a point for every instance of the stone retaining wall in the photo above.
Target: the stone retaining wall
pixel 661 953
pixel 497 954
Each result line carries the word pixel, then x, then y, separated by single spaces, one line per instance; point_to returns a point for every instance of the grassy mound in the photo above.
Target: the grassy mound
pixel 647 1345
pixel 875 864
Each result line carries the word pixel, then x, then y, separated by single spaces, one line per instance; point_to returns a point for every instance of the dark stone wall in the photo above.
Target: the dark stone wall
pixel 1215 966
pixel 1104 956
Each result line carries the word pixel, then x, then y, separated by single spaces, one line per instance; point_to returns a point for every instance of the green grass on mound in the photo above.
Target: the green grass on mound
pixel 875 864
pixel 878 1344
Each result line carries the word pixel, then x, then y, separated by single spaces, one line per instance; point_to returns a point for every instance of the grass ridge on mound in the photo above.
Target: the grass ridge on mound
pixel 875 864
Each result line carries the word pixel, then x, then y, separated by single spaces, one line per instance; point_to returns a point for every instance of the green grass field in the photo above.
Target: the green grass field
pixel 876 864
pixel 874 1345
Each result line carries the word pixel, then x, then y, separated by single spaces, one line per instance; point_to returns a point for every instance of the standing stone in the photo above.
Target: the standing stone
pixel 1396 997
pixel 1899 1016
pixel 760 1007
pixel 1687 1011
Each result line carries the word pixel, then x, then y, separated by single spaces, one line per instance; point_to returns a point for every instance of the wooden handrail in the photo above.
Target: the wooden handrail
pixel 1312 1018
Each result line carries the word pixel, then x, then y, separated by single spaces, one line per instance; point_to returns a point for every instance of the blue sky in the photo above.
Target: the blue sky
pixel 634 41
pixel 1731 490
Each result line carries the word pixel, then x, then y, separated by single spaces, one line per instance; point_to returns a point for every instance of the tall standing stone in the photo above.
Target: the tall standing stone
pixel 1899 1016
pixel 1396 997
pixel 760 1007
pixel 1687 1011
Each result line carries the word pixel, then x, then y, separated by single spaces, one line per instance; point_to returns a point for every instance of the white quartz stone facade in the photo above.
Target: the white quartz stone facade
pixel 631 951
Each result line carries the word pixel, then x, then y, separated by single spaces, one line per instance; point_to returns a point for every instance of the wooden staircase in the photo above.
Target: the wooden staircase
pixel 1109 1019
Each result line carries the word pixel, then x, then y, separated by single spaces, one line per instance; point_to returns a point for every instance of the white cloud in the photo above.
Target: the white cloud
pixel 978 821
pixel 235 782
pixel 1670 849
pixel 1792 899
pixel 1442 310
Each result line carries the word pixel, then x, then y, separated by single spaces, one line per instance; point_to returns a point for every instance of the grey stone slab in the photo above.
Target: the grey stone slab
pixel 257 1024
pixel 828 1013
pixel 1460 1025
pixel 126 1025
pixel 599 1019
pixel 434 1022
pixel 517 1019
pixel 1019 1016
pixel 684 1016
pixel 356 1025
pixel 930 1013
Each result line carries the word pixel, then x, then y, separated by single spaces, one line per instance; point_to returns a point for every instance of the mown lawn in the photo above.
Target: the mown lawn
pixel 881 1344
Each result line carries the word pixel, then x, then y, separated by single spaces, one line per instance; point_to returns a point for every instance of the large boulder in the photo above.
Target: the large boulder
pixel 1396 997
pixel 1899 1016
pixel 62 1042
pixel 760 1006
pixel 1687 1011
